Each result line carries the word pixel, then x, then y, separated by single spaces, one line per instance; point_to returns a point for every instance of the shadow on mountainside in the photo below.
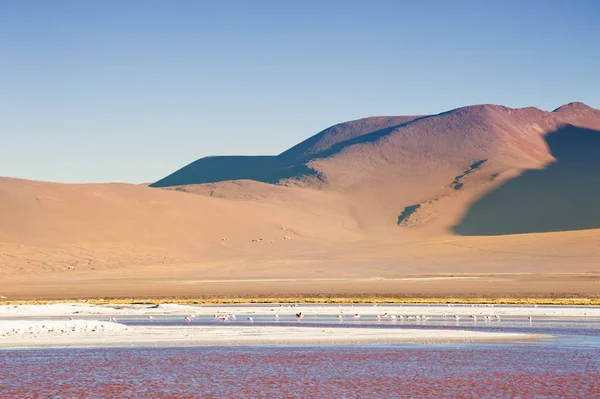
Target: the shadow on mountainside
pixel 267 169
pixel 564 196
pixel 362 139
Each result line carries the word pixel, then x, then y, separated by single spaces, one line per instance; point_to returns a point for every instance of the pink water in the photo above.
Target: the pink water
pixel 543 370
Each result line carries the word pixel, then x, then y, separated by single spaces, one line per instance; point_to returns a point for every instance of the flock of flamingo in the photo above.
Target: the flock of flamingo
pixel 384 317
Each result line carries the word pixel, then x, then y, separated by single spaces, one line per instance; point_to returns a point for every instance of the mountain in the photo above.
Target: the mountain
pixel 412 171
pixel 480 200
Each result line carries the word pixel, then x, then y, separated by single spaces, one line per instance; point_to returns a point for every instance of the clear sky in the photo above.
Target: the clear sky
pixel 96 91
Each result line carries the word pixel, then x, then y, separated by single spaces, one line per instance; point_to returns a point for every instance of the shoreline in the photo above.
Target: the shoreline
pixel 118 335
pixel 576 301
pixel 53 325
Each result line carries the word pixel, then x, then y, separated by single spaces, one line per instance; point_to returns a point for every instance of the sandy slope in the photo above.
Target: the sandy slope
pixel 49 227
pixel 340 230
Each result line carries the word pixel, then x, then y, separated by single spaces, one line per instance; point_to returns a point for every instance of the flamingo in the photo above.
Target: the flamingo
pixel 276 317
pixel 474 318
pixel 299 316
pixel 250 320
pixel 457 318
pixel 150 318
pixel 340 317
pixel 187 319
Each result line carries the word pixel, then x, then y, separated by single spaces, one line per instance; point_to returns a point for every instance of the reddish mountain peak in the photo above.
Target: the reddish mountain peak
pixel 573 106
pixel 578 114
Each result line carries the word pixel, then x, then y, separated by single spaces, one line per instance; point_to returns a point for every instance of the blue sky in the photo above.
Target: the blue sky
pixel 98 91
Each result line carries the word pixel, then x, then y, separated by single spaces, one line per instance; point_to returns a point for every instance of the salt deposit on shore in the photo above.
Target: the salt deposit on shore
pixel 36 328
pixel 80 333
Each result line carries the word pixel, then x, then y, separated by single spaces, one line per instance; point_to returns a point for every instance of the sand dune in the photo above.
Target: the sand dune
pixel 358 208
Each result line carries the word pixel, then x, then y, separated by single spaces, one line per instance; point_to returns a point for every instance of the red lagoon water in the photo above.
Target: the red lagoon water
pixel 470 371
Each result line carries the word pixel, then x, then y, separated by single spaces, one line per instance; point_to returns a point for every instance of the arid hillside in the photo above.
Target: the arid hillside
pixel 50 226
pixel 482 200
